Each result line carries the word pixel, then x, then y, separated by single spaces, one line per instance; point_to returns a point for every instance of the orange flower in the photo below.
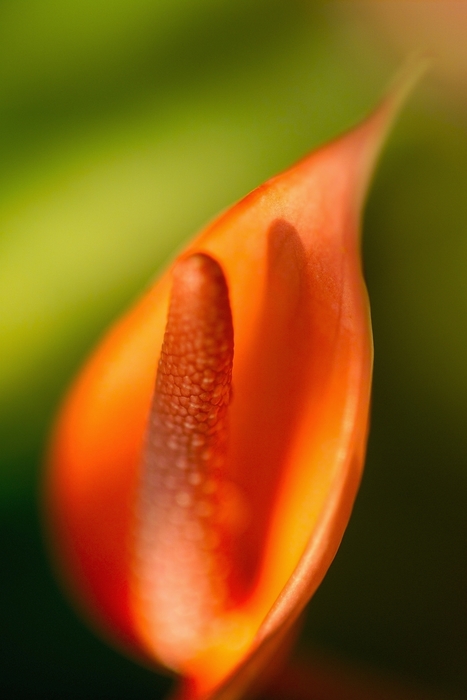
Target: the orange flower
pixel 192 525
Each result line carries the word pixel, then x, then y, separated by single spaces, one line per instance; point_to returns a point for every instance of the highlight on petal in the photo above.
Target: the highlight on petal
pixel 204 466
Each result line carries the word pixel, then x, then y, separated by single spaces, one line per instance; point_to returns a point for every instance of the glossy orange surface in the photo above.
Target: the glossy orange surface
pixel 297 424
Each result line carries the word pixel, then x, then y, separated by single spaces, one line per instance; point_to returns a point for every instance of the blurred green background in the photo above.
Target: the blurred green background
pixel 124 127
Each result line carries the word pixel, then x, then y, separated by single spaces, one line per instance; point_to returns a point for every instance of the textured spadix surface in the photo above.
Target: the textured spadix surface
pixel 183 558
pixel 194 518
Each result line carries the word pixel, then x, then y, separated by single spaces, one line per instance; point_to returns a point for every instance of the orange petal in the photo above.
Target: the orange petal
pixel 285 263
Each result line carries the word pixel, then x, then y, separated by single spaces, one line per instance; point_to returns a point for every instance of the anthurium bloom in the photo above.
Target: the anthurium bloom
pixel 205 463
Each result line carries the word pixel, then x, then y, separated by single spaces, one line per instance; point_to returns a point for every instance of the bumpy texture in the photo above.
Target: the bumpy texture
pixel 182 540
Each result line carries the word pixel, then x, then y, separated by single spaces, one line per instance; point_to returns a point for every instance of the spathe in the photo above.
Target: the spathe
pixel 288 258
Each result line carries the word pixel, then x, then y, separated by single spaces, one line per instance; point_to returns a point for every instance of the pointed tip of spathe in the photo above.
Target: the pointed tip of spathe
pixel 346 164
pixel 401 87
pixel 365 142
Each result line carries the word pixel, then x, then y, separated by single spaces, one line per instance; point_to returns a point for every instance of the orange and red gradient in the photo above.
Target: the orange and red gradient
pixel 204 466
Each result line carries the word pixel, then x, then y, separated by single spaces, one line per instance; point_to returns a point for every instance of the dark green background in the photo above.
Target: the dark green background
pixel 124 126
